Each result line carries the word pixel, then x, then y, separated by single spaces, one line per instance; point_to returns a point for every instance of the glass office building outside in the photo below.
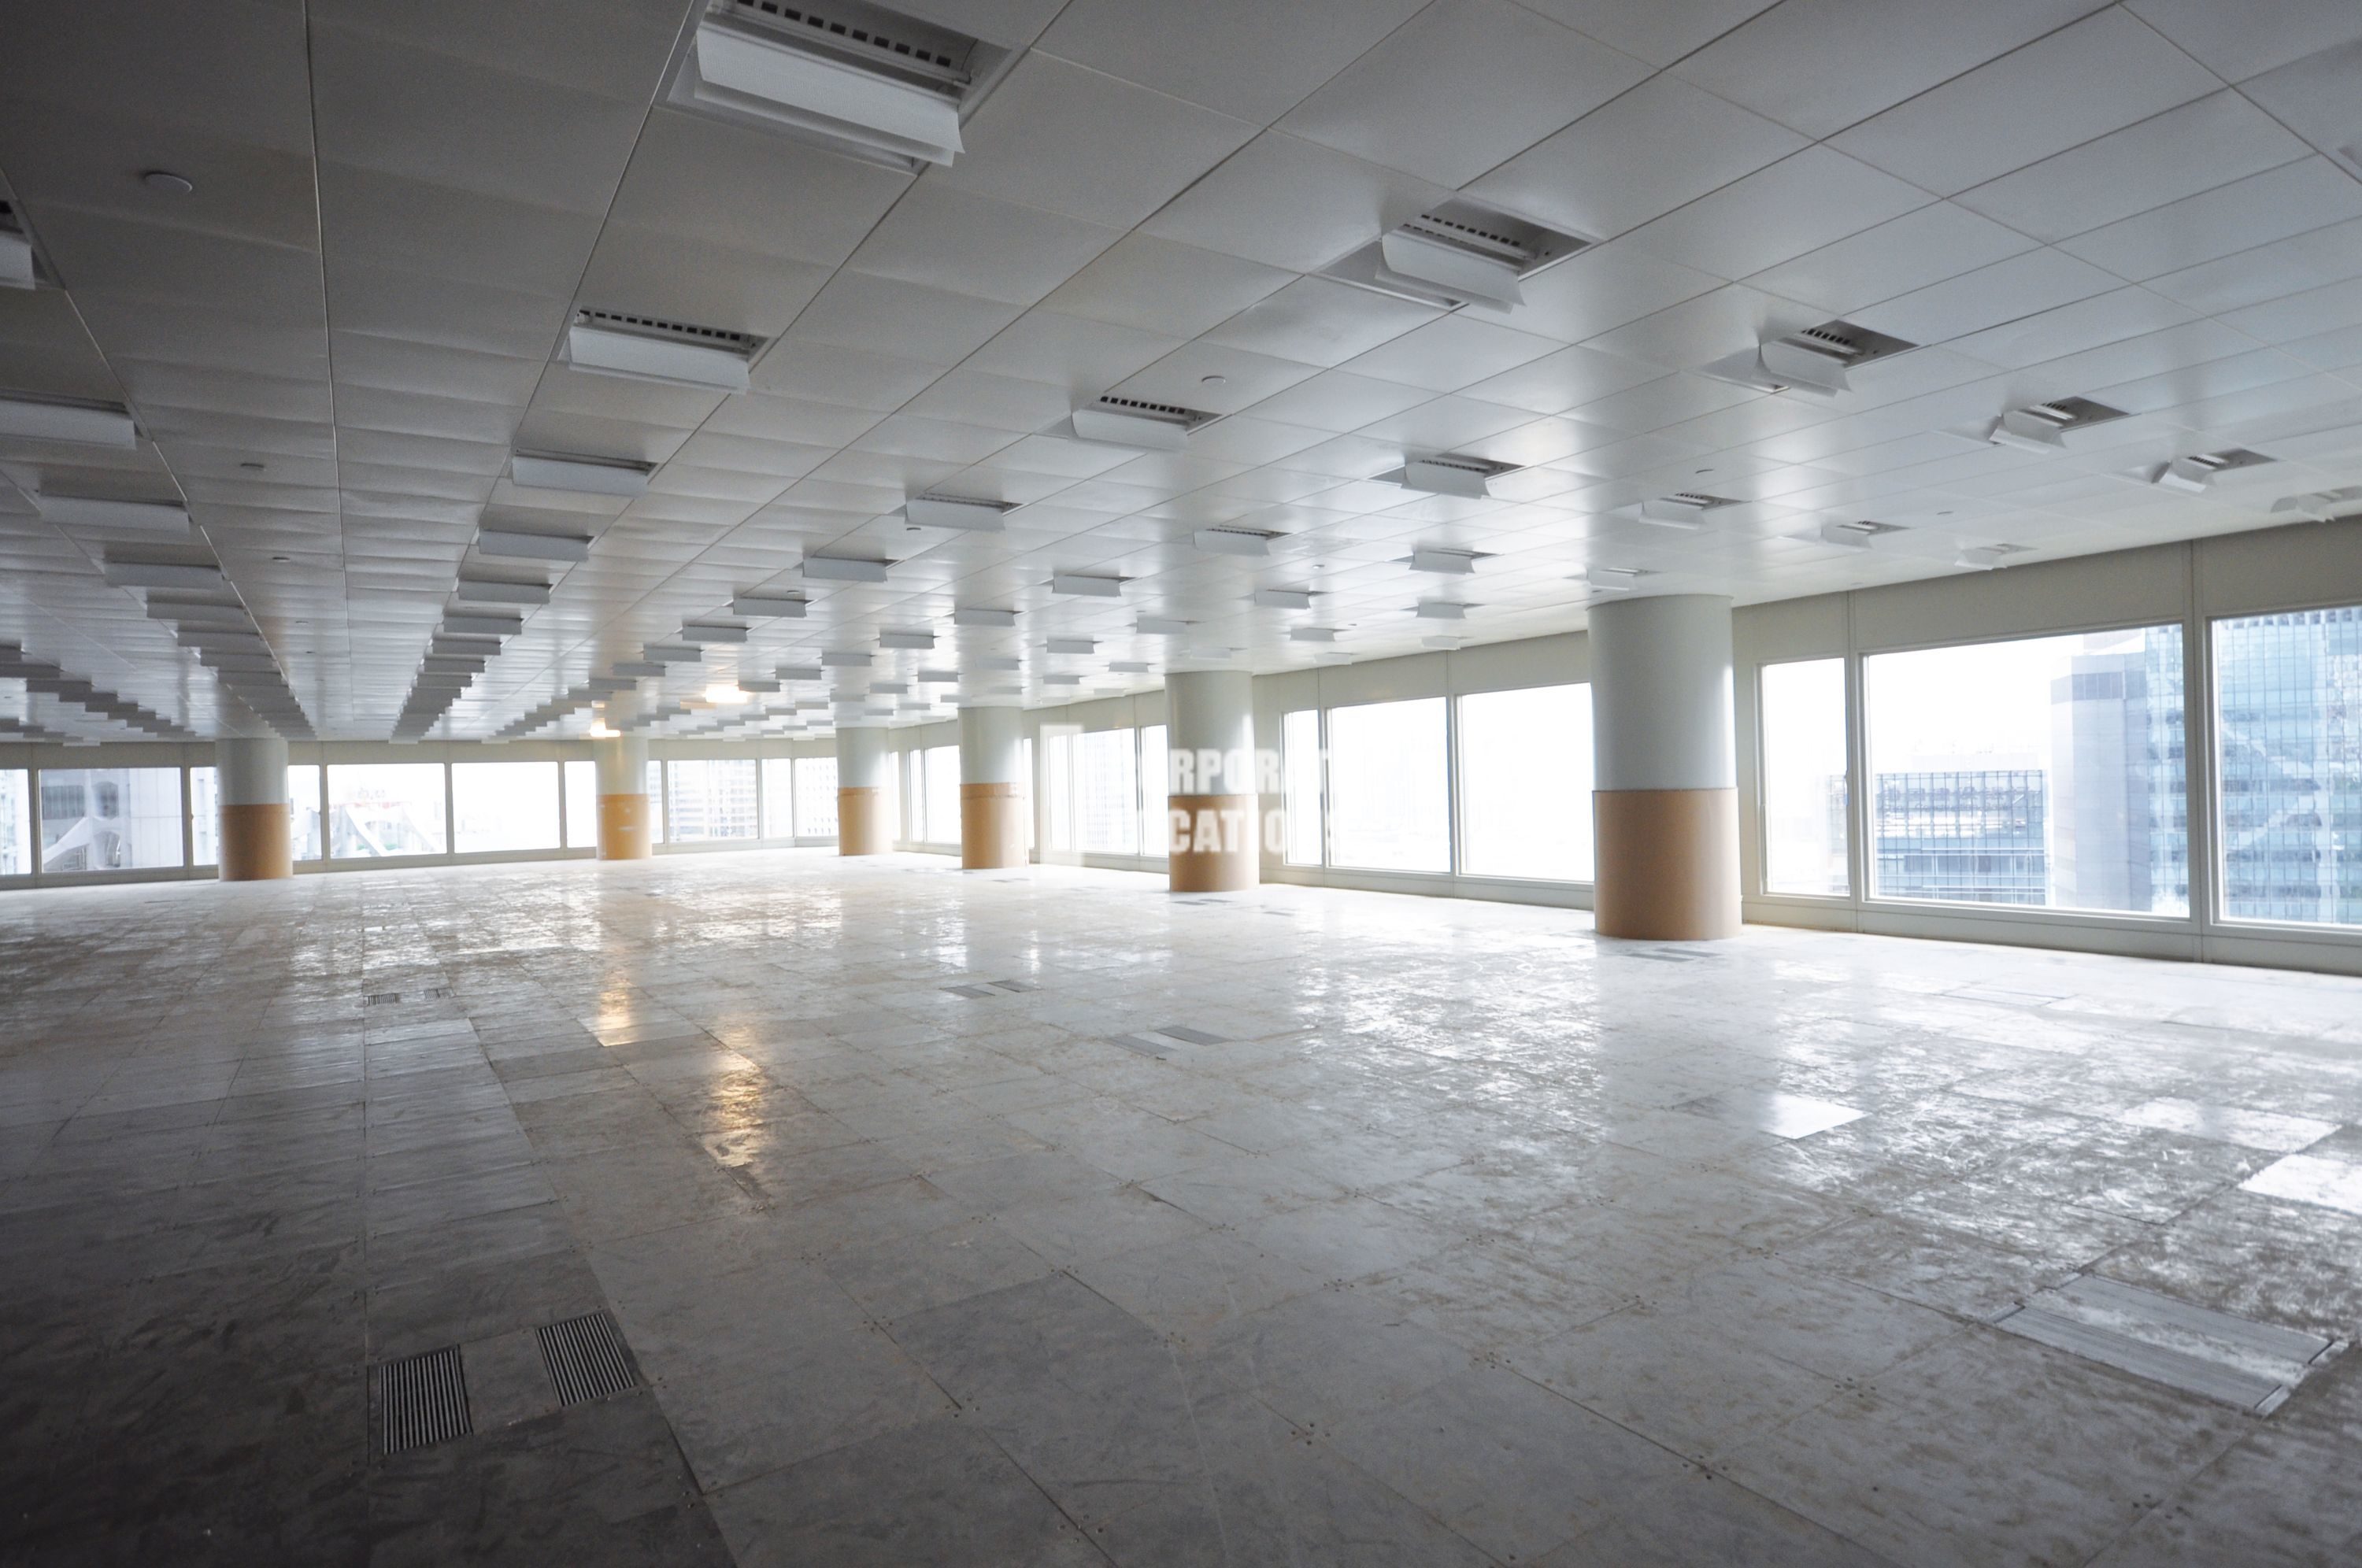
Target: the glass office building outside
pixel 2287 732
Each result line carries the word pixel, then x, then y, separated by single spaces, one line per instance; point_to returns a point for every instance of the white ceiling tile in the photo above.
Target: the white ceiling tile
pixel 1316 322
pixel 1663 143
pixel 962 243
pixel 1702 330
pixel 2325 309
pixel 2314 97
pixel 1214 378
pixel 1801 203
pixel 2290 266
pixel 1936 242
pixel 879 315
pixel 2237 42
pixel 1067 140
pixel 824 374
pixel 1085 356
pixel 1449 354
pixel 2101 74
pixel 1337 400
pixel 1821 65
pixel 1603 288
pixel 2179 153
pixel 1158 285
pixel 1558 381
pixel 1466 84
pixel 675 278
pixel 2291 199
pixel 712 180
pixel 1661 32
pixel 1289 203
pixel 2069 329
pixel 2005 291
pixel 1246 58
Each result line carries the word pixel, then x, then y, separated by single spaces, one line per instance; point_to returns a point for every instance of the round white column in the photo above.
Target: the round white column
pixel 1215 810
pixel 255 835
pixel 992 795
pixel 1664 768
pixel 864 773
pixel 626 815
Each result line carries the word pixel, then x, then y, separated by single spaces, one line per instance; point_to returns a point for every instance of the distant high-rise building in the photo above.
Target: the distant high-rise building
pixel 1967 835
pixel 2289 722
pixel 2120 817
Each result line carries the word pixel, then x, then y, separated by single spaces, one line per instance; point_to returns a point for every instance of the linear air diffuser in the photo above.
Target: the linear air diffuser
pixel 1457 253
pixel 647 348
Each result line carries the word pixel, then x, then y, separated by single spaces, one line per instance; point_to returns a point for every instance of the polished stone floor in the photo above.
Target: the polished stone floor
pixel 1295 1227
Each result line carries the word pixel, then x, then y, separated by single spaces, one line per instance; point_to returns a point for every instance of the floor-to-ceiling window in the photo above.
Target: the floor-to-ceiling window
pixel 110 819
pixel 1155 800
pixel 1525 783
pixel 581 804
pixel 2043 771
pixel 1389 786
pixel 1058 789
pixel 381 809
pixel 1807 810
pixel 708 802
pixel 2288 743
pixel 815 796
pixel 1108 793
pixel 204 816
pixel 941 767
pixel 504 806
pixel 16 823
pixel 1299 763
pixel 779 797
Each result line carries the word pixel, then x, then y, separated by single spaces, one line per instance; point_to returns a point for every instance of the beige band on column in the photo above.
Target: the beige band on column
pixel 861 820
pixel 992 826
pixel 257 843
pixel 1668 864
pixel 1214 841
pixel 623 827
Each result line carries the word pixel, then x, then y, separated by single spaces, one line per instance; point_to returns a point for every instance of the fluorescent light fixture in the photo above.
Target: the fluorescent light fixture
pixel 977 616
pixel 1061 679
pixel 1613 580
pixel 946 511
pixel 1071 644
pixel 1849 536
pixel 1313 635
pixel 2189 475
pixel 1160 626
pixel 1982 557
pixel 82 424
pixel 843 568
pixel 1793 367
pixel 640 668
pixel 725 692
pixel 1687 512
pixel 163 574
pixel 1086 586
pixel 16 271
pixel 512 543
pixel 705 631
pixel 843 658
pixel 1441 610
pixel 2321 505
pixel 906 639
pixel 1148 432
pixel 483 591
pixel 818 95
pixel 2028 431
pixel 585 476
pixel 649 356
pixel 1450 563
pixel 938 677
pixel 1449 476
pixel 1283 598
pixel 768 607
pixel 673 653
pixel 1232 542
pixel 997 661
pixel 797 672
pixel 1128 666
pixel 93 512
pixel 1458 272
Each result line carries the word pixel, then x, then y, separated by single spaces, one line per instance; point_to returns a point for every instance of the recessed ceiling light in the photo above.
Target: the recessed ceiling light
pixel 164 179
pixel 952 512
pixel 1215 381
pixel 1086 585
pixel 583 476
pixel 646 349
pixel 58 419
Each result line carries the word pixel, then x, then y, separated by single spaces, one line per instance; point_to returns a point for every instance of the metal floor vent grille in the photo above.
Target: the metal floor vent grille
pixel 380 999
pixel 422 1399
pixel 978 991
pixel 2249 1366
pixel 586 1358
pixel 1187 1035
pixel 1668 956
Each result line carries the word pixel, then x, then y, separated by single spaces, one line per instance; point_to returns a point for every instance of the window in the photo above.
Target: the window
pixel 657 814
pixel 1525 783
pixel 815 796
pixel 1108 793
pixel 893 793
pixel 911 771
pixel 708 802
pixel 2046 772
pixel 1389 807
pixel 204 816
pixel 941 766
pixel 2288 734
pixel 16 823
pixel 1156 780
pixel 1807 812
pixel 581 804
pixel 304 809
pixel 1299 755
pixel 1058 788
pixel 779 797
pixel 504 806
pixel 1025 788
pixel 381 809
pixel 110 819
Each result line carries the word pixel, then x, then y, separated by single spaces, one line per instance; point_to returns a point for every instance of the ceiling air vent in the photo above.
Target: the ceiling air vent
pixel 2321 505
pixel 1234 541
pixel 1684 509
pixel 1988 557
pixel 1814 360
pixel 648 348
pixel 854 78
pixel 1457 253
pixel 1468 478
pixel 2194 473
pixel 1856 536
pixel 18 267
pixel 1133 422
pixel 2043 426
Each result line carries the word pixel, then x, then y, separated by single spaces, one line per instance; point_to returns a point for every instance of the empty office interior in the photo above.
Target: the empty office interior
pixel 1321 782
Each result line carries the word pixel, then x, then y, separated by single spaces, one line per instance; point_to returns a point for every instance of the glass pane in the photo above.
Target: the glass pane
pixel 1058 788
pixel 204 816
pixel 504 806
pixel 657 813
pixel 1025 788
pixel 779 797
pixel 379 809
pixel 2287 704
pixel 1299 745
pixel 110 819
pixel 1388 793
pixel 943 794
pixel 815 796
pixel 581 804
pixel 16 823
pixel 1525 783
pixel 2046 771
pixel 710 801
pixel 894 802
pixel 1805 812
pixel 304 809
pixel 1155 780
pixel 910 768
pixel 1108 792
